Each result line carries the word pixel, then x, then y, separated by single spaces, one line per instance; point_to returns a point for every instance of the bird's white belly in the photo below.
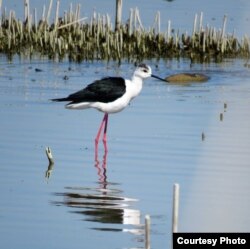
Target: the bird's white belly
pixel 112 107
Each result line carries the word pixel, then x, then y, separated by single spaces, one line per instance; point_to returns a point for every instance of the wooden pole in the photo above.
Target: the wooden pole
pixel 176 194
pixel 118 17
pixel 27 12
pixel 147 232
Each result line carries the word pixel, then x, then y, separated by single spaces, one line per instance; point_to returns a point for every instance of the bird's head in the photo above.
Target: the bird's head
pixel 144 71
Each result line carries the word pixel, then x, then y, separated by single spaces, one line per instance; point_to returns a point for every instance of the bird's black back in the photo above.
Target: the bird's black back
pixel 105 90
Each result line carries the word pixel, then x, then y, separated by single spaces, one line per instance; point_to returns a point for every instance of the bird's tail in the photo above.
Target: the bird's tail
pixel 60 99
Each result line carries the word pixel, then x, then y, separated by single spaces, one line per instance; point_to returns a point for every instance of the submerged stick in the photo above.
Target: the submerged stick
pixel 49 171
pixel 49 155
pixel 175 208
pixel 147 232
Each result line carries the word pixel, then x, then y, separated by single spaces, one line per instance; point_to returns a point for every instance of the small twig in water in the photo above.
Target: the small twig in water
pixel 49 155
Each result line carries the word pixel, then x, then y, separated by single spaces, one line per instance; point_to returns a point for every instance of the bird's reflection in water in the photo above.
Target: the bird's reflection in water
pixel 104 204
pixel 101 169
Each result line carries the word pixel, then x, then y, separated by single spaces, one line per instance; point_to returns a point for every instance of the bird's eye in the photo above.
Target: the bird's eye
pixel 145 70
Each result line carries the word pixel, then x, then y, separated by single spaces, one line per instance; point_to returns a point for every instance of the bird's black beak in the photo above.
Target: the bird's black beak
pixel 157 77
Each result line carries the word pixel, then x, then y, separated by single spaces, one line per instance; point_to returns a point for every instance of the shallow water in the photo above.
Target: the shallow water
pixel 156 142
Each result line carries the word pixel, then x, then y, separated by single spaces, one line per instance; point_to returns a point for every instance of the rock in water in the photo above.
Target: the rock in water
pixel 187 77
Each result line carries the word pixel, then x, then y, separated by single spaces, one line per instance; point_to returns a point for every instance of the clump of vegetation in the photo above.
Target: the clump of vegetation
pixel 74 37
pixel 186 78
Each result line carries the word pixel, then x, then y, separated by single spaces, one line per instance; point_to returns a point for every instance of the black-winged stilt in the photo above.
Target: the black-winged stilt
pixel 109 95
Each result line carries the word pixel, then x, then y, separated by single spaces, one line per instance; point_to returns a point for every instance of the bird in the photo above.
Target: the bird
pixel 109 95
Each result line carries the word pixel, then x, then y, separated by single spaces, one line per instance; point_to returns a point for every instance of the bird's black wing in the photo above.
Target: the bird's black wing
pixel 104 90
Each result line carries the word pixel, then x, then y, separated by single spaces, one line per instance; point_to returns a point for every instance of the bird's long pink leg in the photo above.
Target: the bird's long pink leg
pixel 100 129
pixel 104 139
pixel 98 137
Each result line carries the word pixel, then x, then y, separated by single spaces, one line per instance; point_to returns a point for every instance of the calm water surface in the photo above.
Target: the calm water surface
pixel 197 135
pixel 155 142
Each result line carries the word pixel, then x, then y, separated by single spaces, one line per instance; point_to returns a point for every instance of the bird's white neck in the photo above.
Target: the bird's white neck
pixel 136 85
pixel 137 80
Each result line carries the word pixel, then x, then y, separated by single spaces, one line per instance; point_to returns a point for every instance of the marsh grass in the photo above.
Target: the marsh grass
pixel 80 38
